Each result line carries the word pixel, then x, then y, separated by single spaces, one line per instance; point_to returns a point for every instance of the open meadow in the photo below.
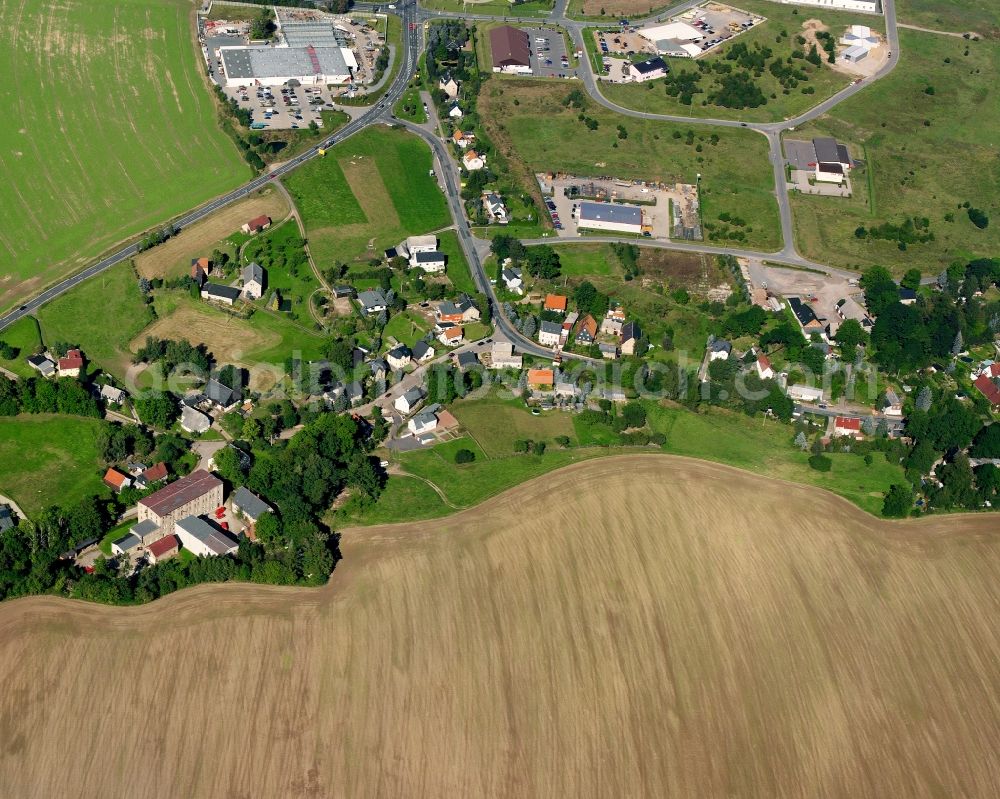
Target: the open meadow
pixel 961 16
pixel 367 194
pixel 531 124
pixel 932 154
pixel 109 128
pixel 48 459
pixel 644 626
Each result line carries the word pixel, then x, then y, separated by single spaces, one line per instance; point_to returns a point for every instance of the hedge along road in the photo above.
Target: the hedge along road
pixel 412 15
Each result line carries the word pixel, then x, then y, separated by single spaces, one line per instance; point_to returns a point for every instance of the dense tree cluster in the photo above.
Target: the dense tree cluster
pixel 38 395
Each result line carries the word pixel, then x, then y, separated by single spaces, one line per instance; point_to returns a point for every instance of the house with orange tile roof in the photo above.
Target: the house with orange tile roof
pixel 541 379
pixel 116 480
pixel 556 302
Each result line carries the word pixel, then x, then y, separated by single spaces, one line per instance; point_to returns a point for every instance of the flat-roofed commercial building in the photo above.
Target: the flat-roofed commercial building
pixel 273 66
pixel 610 216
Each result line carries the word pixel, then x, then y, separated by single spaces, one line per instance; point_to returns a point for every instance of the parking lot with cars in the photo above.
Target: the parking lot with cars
pixel 549 57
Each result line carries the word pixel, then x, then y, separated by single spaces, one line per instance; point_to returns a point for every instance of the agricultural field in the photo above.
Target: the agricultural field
pixel 924 160
pixel 173 258
pixel 48 459
pixel 368 193
pixel 685 610
pixel 779 34
pixel 528 121
pixel 25 337
pixel 110 130
pixel 101 316
pixel 961 16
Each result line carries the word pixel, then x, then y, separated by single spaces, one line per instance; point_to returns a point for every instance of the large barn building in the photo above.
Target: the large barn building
pixel 610 216
pixel 511 50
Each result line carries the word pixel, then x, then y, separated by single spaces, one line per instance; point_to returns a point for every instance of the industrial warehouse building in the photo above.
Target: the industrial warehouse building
pixel 511 50
pixel 192 495
pixel 274 66
pixel 610 216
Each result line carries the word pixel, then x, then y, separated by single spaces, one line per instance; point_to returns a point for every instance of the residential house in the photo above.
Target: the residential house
pixel 467 360
pixel 112 395
pixel 423 422
pixel 907 296
pixel 253 276
pixel 163 548
pixel 343 292
pixel 220 396
pixel 806 316
pixel 566 388
pixel 549 334
pixel 71 363
pixel 422 352
pixel 893 405
pixel 463 139
pixel 193 420
pixel 613 321
pixel 42 364
pixel 224 295
pixel 455 112
pixel 541 379
pixel 797 391
pixel 502 356
pixel 201 268
pixel 513 279
pixel 568 324
pixel 151 476
pixel 127 543
pixel 650 69
pixel 204 539
pixel 989 388
pixel 146 531
pixel 372 302
pixel 379 368
pixel 586 330
pixel 431 262
pixel 719 350
pixel 473 161
pixel 452 336
pixel 409 400
pixel 257 224
pixel 196 493
pixel 495 209
pixel 764 370
pixel 847 426
pixel 449 86
pixel 248 505
pixel 631 333
pixel 464 310
pixel 7 518
pixel 116 480
pixel 608 351
pixel 414 244
pixel 354 392
pixel 556 302
pixel 399 357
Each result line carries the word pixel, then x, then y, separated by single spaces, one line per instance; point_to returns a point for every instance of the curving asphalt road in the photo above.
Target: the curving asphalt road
pixel 413 18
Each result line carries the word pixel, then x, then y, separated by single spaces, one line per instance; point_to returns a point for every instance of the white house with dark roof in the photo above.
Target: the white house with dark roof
pixel 248 505
pixel 423 422
pixel 549 334
pixel 719 350
pixel 204 539
pixel 650 69
pixel 422 352
pixel 253 276
pixel 399 357
pixel 224 295
pixel 431 262
pixel 409 400
pixel 372 302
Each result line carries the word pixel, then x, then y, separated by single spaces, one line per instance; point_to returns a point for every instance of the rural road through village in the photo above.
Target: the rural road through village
pixel 413 19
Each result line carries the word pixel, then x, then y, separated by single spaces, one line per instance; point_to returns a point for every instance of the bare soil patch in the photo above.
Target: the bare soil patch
pixel 173 258
pixel 678 629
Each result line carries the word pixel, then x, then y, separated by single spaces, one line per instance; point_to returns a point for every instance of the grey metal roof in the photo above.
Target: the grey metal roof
pixel 142 529
pixel 467 359
pixel 354 391
pixel 249 503
pixel 318 34
pixel 420 349
pixel 219 541
pixel 550 327
pixel 6 518
pixel 610 212
pixel 721 345
pixel 424 418
pixel 219 393
pixel 400 351
pixel 414 395
pixel 428 257
pixel 253 271
pixel 371 299
pixel 631 330
pixel 826 149
pixel 284 62
pixel 448 308
pixel 216 290
pixel 127 542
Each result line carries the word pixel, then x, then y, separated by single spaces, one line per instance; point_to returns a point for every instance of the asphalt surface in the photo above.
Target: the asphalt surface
pixel 411 46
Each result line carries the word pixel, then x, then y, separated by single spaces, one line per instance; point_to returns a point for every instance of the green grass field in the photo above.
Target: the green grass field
pixel 109 129
pixel 825 81
pixel 532 8
pixel 408 327
pixel 295 288
pixel 48 460
pixel 527 120
pixel 961 16
pixel 101 315
pixel 457 268
pixel 914 169
pixel 24 336
pixel 410 106
pixel 373 189
pixel 496 425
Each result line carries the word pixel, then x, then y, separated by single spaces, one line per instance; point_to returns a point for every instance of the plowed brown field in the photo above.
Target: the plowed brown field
pixel 644 626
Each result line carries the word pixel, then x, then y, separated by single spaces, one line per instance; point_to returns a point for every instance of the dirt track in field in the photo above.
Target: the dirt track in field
pixel 636 626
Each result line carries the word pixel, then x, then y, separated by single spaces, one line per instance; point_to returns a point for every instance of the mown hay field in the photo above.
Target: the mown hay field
pixel 644 626
pixel 109 128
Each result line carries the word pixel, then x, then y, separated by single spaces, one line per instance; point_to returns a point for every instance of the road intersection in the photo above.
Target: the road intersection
pixel 413 20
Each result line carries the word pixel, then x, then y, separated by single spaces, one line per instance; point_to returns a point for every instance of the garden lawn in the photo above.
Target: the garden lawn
pixel 911 169
pixel 110 129
pixel 736 173
pixel 408 327
pixel 367 194
pixel 296 287
pixel 48 460
pixel 496 424
pixel 101 316
pixel 25 337
pixel 404 499
pixel 457 267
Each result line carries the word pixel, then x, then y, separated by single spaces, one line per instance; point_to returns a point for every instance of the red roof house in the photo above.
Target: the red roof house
pixel 116 480
pixel 989 389
pixel 71 364
pixel 555 302
pixel 155 474
pixel 163 548
pixel 847 426
pixel 257 224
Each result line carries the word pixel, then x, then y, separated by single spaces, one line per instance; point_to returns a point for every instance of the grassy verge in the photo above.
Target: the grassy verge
pixel 534 8
pixel 25 337
pixel 410 107
pixel 913 169
pixel 961 16
pixel 458 267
